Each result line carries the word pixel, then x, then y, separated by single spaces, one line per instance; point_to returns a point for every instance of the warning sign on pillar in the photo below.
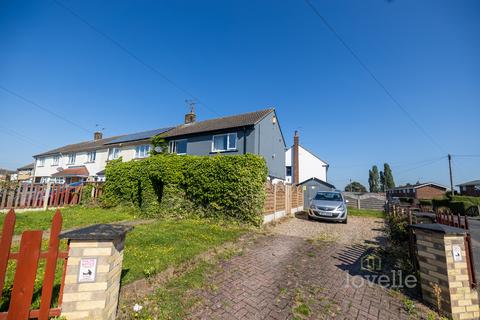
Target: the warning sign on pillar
pixel 88 268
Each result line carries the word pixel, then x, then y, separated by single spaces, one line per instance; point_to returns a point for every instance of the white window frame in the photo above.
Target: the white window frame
pixel 140 154
pixel 172 146
pixel 55 160
pixel 113 153
pixel 228 142
pixel 41 162
pixel 70 156
pixel 91 156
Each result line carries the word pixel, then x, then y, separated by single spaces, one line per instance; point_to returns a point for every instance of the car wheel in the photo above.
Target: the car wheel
pixel 308 217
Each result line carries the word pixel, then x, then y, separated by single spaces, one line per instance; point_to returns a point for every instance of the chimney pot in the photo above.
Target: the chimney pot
pixel 97 135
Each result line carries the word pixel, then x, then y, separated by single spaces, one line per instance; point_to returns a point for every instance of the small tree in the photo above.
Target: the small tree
pixel 389 182
pixel 160 146
pixel 355 186
pixel 374 179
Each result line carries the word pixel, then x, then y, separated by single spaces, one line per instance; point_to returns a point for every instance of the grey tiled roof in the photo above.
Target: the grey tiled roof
pixel 236 121
pixel 470 183
pixel 27 167
pixel 103 143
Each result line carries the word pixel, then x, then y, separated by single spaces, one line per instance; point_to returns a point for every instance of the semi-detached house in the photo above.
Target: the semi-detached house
pixel 255 132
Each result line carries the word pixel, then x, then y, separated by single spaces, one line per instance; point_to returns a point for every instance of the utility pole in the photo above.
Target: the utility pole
pixel 450 169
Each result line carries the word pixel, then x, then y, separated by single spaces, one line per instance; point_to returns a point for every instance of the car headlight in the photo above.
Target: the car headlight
pixel 341 207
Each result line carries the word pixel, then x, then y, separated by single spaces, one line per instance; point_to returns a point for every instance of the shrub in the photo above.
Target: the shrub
pixel 425 202
pixel 458 204
pixel 172 185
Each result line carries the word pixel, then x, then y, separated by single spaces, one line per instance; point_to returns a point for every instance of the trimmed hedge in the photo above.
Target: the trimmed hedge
pixel 173 185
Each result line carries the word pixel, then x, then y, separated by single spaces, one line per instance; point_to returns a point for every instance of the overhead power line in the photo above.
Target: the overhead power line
pixel 135 56
pixel 422 165
pixel 373 76
pixel 22 137
pixel 43 108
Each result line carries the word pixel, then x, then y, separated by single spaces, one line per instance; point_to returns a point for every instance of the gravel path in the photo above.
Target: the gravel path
pixel 302 270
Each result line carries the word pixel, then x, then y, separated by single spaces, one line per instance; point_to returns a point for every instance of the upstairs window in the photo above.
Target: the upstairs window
pixel 41 162
pixel 224 142
pixel 56 160
pixel 178 146
pixel 289 171
pixel 142 151
pixel 91 156
pixel 71 158
pixel 113 153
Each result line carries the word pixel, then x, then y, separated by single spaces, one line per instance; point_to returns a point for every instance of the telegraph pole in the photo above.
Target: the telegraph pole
pixel 450 169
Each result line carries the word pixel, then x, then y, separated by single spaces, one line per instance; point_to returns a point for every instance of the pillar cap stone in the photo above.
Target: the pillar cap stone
pixel 97 232
pixel 439 228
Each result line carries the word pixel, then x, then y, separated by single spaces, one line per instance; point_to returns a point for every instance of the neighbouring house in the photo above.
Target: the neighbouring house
pixel 304 168
pixel 302 165
pixel 86 161
pixel 5 174
pixel 419 191
pixel 255 132
pixel 25 173
pixel 471 188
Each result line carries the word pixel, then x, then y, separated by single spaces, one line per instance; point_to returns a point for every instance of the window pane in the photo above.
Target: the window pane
pixel 220 143
pixel 181 146
pixel 232 141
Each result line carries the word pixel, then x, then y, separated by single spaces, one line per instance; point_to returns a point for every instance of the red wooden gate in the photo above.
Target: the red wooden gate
pixel 27 259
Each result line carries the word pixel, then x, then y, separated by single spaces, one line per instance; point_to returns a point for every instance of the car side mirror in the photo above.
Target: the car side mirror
pixel 346 201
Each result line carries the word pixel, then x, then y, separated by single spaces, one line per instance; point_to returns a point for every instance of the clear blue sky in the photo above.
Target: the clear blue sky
pixel 240 56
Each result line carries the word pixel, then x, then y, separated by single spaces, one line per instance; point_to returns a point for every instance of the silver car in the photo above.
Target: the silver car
pixel 328 205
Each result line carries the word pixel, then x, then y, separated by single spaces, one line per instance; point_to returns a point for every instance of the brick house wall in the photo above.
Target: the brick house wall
pixel 430 192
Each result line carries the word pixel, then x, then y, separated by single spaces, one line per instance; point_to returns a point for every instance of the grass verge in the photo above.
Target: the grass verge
pixel 366 213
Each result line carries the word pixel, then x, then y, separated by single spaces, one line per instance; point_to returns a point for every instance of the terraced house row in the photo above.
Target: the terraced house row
pixel 256 132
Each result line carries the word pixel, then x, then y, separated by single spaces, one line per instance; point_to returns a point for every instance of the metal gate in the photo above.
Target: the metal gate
pixel 27 259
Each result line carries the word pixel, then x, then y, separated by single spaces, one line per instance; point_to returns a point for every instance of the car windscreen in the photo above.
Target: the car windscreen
pixel 328 196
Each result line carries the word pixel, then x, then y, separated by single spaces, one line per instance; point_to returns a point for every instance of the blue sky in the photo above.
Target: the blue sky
pixel 240 56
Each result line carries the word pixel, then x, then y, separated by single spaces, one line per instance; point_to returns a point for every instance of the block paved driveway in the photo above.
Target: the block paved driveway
pixel 301 270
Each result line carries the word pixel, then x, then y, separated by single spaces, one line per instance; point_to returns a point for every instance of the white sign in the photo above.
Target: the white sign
pixel 457 253
pixel 88 270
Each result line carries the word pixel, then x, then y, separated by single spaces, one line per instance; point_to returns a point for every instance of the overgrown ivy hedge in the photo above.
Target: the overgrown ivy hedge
pixel 171 185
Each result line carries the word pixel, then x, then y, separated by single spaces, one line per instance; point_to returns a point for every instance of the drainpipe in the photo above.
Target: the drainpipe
pixel 244 140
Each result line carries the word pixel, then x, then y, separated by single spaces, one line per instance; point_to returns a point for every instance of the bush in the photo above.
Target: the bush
pixel 425 202
pixel 459 204
pixel 172 185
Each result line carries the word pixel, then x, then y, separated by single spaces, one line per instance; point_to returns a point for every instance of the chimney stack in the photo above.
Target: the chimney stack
pixel 296 158
pixel 190 117
pixel 97 135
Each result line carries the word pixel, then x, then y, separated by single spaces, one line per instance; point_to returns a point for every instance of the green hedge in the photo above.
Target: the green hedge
pixel 172 185
pixel 459 204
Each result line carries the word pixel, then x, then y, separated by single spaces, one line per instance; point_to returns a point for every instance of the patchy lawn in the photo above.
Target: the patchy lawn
pixel 72 217
pixel 366 213
pixel 154 247
pixel 150 248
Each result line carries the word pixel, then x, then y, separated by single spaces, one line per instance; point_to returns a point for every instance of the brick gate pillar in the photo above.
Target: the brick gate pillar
pixel 94 268
pixel 443 270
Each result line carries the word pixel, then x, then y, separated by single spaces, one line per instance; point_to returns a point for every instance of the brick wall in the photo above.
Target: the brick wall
pixel 430 192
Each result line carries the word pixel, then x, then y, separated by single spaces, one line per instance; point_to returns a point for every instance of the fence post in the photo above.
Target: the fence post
pixel 46 196
pixel 444 268
pixel 94 267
